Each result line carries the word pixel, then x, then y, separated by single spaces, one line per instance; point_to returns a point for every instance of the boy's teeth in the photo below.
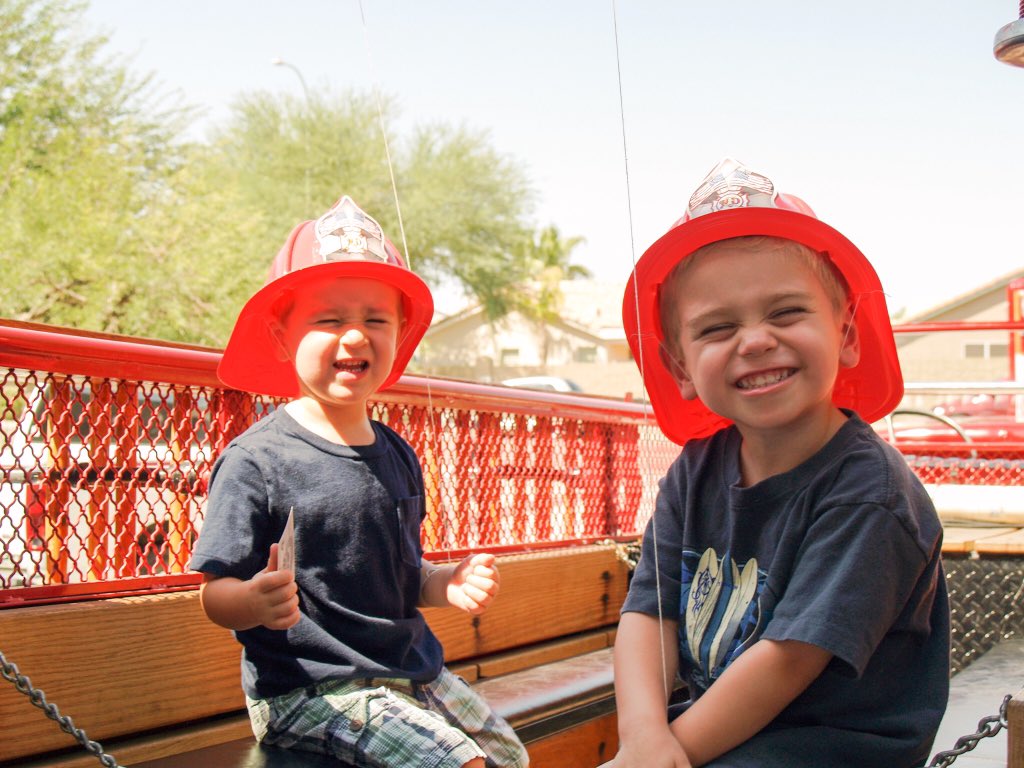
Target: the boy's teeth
pixel 350 366
pixel 763 379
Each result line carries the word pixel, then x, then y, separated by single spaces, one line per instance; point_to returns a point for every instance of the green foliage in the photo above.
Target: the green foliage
pixel 463 206
pixel 89 170
pixel 111 220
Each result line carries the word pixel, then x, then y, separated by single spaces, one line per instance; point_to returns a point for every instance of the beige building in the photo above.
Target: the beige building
pixel 586 345
pixel 961 355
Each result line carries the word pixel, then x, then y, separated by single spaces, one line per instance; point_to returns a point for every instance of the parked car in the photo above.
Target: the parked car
pixel 981 404
pixel 548 383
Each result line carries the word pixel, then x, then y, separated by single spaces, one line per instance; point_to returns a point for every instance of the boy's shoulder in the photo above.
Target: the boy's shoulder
pixel 856 463
pixel 267 431
pixel 860 460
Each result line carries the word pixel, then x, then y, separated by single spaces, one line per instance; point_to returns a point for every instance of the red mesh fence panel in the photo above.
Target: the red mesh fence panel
pixel 103 473
pixel 104 476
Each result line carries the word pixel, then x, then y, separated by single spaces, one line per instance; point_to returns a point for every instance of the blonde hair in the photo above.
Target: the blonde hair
pixel 831 279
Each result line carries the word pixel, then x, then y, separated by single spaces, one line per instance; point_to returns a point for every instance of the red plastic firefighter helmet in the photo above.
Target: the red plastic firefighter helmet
pixel 344 242
pixel 734 201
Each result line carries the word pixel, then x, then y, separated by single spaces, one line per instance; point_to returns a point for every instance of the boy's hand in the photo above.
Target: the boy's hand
pixel 474 583
pixel 273 597
pixel 653 747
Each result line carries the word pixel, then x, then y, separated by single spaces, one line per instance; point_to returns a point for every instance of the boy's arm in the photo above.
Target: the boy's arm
pixel 470 585
pixel 269 599
pixel 642 688
pixel 751 692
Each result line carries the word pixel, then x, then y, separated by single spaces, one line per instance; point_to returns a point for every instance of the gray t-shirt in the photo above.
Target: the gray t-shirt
pixel 842 552
pixel 358 512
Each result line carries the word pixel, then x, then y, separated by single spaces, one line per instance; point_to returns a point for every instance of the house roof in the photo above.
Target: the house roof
pixel 999 284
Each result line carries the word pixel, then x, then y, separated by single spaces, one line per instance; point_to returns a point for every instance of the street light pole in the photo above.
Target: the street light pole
pixel 277 61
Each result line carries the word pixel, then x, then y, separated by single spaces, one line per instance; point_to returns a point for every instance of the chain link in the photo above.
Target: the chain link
pixel 10 672
pixel 987 727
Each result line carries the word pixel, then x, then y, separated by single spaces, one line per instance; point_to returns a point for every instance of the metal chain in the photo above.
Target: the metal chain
pixel 987 726
pixel 9 671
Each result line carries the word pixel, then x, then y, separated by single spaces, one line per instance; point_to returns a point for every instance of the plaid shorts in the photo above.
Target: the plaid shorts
pixel 375 722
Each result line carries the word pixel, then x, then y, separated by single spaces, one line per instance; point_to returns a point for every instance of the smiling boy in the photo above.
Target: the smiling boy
pixel 337 658
pixel 791 573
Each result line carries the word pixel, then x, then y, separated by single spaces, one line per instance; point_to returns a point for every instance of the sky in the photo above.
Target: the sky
pixel 893 120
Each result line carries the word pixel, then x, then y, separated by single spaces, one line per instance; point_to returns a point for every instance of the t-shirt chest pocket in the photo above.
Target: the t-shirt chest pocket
pixel 410 515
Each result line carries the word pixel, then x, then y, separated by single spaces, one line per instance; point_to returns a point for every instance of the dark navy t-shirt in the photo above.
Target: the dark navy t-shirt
pixel 358 512
pixel 842 552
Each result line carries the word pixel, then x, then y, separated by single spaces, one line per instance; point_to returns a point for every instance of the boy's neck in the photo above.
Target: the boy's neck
pixel 342 425
pixel 764 454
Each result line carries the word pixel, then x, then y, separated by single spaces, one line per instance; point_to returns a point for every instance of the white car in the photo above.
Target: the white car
pixel 548 383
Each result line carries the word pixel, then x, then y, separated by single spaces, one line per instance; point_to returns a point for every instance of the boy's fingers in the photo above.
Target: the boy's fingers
pixel 476 595
pixel 483 559
pixel 486 574
pixel 272 559
pixel 482 583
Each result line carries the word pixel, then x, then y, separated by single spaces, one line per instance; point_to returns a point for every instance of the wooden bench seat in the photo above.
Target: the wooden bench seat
pixel 151 677
pixel 540 702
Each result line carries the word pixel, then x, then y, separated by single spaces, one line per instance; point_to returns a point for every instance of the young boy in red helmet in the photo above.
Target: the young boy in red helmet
pixel 337 658
pixel 791 573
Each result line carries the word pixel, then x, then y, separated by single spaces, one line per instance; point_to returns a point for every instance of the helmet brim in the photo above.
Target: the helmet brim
pixel 250 361
pixel 872 388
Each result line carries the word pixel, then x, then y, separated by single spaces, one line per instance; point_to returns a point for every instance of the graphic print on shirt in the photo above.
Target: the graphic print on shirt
pixel 719 612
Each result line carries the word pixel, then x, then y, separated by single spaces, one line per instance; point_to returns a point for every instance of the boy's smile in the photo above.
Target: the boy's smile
pixel 759 380
pixel 761 342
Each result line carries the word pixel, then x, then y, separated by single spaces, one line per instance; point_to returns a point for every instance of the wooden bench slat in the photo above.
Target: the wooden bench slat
pixel 591 743
pixel 1010 543
pixel 1015 737
pixel 126 665
pixel 133 663
pixel 956 539
pixel 524 697
pixel 543 653
pixel 166 743
pixel 246 754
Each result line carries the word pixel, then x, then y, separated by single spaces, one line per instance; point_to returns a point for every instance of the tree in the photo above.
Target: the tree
pixel 111 220
pixel 463 206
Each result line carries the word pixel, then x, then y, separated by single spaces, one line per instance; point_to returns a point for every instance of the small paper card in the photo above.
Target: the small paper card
pixel 286 546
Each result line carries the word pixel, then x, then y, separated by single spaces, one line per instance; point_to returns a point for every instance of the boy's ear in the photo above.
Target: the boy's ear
pixel 849 349
pixel 678 372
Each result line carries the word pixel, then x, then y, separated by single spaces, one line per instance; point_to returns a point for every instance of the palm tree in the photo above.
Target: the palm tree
pixel 547 259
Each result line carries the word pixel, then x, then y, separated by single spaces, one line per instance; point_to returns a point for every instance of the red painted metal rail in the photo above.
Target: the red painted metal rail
pixel 107 444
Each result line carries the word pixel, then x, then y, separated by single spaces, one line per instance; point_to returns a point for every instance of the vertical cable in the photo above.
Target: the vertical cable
pixel 640 341
pixel 434 439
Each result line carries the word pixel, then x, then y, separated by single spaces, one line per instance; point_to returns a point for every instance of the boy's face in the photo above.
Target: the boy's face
pixel 341 337
pixel 759 340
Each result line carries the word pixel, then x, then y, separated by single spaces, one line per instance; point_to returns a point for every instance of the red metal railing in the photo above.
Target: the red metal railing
pixel 107 445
